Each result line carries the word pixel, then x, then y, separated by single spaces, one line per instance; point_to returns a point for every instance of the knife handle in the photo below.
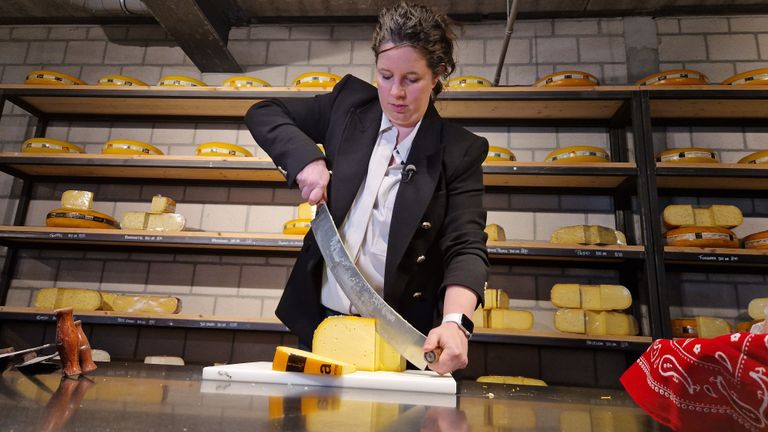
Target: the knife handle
pixel 431 356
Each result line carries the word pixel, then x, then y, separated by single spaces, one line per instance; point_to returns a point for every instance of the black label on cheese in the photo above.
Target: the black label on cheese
pixel 295 363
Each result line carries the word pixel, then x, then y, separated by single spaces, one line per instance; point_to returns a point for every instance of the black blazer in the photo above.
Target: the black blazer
pixel 436 234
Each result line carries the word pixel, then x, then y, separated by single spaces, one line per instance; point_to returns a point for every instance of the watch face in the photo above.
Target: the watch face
pixel 467 323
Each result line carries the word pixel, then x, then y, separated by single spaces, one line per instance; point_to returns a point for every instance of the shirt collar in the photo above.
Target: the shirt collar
pixel 405 146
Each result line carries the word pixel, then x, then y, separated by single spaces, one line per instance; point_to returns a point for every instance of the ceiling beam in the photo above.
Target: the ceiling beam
pixel 201 28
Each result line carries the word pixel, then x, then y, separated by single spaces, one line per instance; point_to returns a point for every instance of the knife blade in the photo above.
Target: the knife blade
pixel 390 325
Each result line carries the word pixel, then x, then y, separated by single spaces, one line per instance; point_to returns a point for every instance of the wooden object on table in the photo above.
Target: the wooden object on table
pixel 67 342
pixel 84 350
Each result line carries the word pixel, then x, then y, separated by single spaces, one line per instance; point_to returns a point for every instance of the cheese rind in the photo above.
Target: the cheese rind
pixel 75 199
pixel 510 319
pixel 591 297
pixel 76 298
pixel 354 340
pixel 757 307
pixel 588 235
pixel 295 360
pixel 162 204
pixel 75 218
pixel 724 216
pixel 495 299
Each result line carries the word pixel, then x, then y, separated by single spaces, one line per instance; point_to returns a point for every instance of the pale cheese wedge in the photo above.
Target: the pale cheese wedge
pixel 167 222
pixel 495 232
pixel 162 204
pixel 596 323
pixel 140 303
pixel 354 340
pixel 515 380
pixel 588 235
pixel 591 297
pixel 495 299
pixel 76 199
pixel 295 360
pixel 510 319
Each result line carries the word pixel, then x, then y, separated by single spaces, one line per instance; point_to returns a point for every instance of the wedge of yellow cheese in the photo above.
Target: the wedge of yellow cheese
pixel 140 303
pixel 295 360
pixel 495 232
pixel 76 199
pixel 354 340
pixel 478 318
pixel 162 204
pixel 757 308
pixel 76 298
pixel 495 299
pixel 681 215
pixel 591 297
pixel 588 235
pixel 515 380
pixel 596 323
pixel 510 319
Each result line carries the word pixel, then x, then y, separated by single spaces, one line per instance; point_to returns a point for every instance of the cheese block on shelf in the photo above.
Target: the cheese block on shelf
pixel 75 199
pixel 495 232
pixel 700 326
pixel 511 319
pixel 749 78
pixel 354 340
pixel 495 299
pixel 758 240
pixel 140 303
pixel 688 155
pixel 588 235
pixel 49 145
pixel 578 154
pixel 758 157
pixel 74 218
pixel 478 318
pixel 162 204
pixel 701 237
pixel 568 78
pixel 591 297
pixel 724 216
pixel 76 298
pixel 757 307
pixel 129 147
pixel 166 222
pixel 674 77
pixel 50 77
pixel 515 380
pixel 596 323
pixel 500 154
pixel 222 149
pixel 295 360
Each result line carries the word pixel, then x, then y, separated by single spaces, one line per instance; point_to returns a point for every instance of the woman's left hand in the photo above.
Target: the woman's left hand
pixel 451 345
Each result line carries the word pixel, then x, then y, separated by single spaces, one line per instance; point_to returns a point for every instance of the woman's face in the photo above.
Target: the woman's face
pixel 405 84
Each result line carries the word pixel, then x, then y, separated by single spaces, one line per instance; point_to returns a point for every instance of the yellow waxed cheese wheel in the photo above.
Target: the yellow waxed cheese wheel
pixel 499 154
pixel 245 81
pixel 129 147
pixel 495 232
pixel 316 79
pixel 75 199
pixel 120 80
pixel 49 77
pixel 749 78
pixel 588 235
pixel 49 145
pixel 354 340
pixel 162 204
pixel 758 240
pixel 701 326
pixel 297 226
pixel 468 81
pixel 756 308
pixel 688 155
pixel 495 299
pixel 579 154
pixel 295 360
pixel 76 298
pixel 718 215
pixel 675 77
pixel 512 319
pixel 568 79
pixel 180 81
pixel 140 303
pixel 759 157
pixel 514 380
pixel 591 297
pixel 701 237
pixel 222 149
pixel 74 218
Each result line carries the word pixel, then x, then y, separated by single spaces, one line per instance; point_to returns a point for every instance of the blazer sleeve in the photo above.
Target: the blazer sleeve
pixel 463 241
pixel 290 129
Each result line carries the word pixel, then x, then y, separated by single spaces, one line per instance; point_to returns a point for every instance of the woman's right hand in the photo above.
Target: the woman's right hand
pixel 313 181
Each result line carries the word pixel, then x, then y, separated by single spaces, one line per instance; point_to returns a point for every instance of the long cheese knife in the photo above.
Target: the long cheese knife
pixel 390 325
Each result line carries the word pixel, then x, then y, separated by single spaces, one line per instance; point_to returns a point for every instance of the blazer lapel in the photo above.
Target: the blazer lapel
pixel 351 158
pixel 413 198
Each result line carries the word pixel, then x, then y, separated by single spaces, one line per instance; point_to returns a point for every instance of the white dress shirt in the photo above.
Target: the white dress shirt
pixel 365 231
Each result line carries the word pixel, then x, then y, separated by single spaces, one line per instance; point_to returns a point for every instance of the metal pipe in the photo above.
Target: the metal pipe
pixel 112 7
pixel 511 14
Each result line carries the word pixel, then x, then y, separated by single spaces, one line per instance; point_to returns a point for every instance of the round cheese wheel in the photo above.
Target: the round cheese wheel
pixel 221 149
pixel 758 240
pixel 120 80
pixel 759 157
pixel 297 226
pixel 701 236
pixel 49 145
pixel 499 154
pixel 469 81
pixel 76 218
pixel 752 77
pixel 578 154
pixel 129 147
pixel 675 77
pixel 49 77
pixel 568 79
pixel 180 81
pixel 245 81
pixel 688 155
pixel 316 79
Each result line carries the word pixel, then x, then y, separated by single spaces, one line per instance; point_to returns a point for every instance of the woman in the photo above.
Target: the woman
pixel 406 187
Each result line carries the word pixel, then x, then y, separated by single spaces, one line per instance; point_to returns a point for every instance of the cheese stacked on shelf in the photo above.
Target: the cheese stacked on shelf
pixel 77 212
pixel 161 217
pixel 496 314
pixel 354 340
pixel 702 226
pixel 92 300
pixel 590 309
pixel 588 235
pixel 302 224
pixel 495 232
pixel 700 327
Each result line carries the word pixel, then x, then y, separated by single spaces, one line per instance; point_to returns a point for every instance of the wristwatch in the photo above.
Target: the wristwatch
pixel 465 324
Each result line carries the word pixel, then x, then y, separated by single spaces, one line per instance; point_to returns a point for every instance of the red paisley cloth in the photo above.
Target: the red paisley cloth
pixel 718 384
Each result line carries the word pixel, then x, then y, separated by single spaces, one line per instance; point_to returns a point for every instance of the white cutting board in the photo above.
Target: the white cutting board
pixel 261 372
